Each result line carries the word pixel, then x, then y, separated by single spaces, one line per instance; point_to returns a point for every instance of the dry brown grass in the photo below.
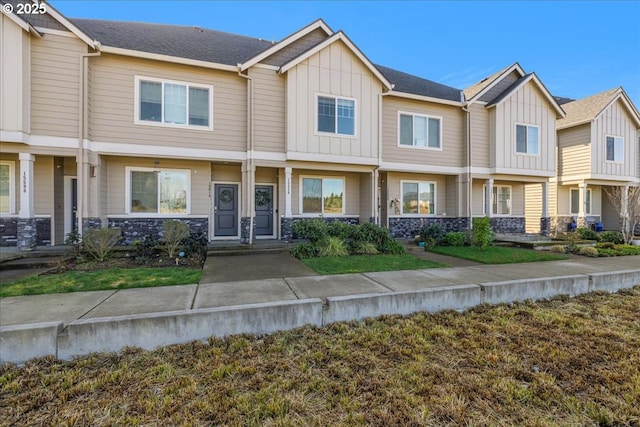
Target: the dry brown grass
pixel 563 362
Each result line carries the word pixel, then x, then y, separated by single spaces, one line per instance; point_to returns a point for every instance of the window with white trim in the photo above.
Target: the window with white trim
pixel 6 187
pixel 575 201
pixel 419 130
pixel 527 139
pixel 418 198
pixel 158 192
pixel 336 115
pixel 501 204
pixel 323 196
pixel 173 103
pixel 615 148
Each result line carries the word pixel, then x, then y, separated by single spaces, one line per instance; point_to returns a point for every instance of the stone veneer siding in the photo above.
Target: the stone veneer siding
pixel 508 224
pixel 410 227
pixel 545 226
pixel 140 228
pixel 9 232
pixel 245 225
pixel 88 223
pixel 286 231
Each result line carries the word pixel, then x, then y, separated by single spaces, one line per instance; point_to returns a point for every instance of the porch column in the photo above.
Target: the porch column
pixel 27 230
pixel 374 196
pixel 626 226
pixel 247 214
pixel 488 198
pixel 286 220
pixel 545 221
pixel 91 218
pixel 582 204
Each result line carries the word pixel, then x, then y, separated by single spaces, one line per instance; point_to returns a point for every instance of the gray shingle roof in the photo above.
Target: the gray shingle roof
pixel 35 20
pixel 173 40
pixel 478 87
pixel 418 86
pixel 563 100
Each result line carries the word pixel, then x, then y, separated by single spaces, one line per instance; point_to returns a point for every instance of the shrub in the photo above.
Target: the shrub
pixel 174 233
pixel 304 250
pixel 433 231
pixel 393 247
pixel 340 229
pixel 482 234
pixel 612 237
pixel 586 234
pixel 605 245
pixel 558 249
pixel 454 238
pixel 99 242
pixel 195 247
pixel 312 230
pixel 363 248
pixel 73 239
pixel 588 251
pixel 332 246
pixel 372 233
pixel 145 249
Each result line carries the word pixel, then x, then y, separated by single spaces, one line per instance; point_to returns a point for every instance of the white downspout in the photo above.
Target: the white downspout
pixel 380 143
pixel 250 147
pixel 83 89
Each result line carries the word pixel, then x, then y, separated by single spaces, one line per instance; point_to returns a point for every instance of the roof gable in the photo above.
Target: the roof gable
pixel 325 43
pixel 475 91
pixel 590 108
pixel 287 41
pixel 522 82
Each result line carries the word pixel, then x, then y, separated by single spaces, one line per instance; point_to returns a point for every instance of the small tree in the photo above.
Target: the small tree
pixel 174 233
pixel 99 242
pixel 629 212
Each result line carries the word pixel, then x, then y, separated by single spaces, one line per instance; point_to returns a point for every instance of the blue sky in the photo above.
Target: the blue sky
pixel 577 48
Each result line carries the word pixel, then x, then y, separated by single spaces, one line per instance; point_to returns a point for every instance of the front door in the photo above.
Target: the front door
pixel 225 210
pixel 264 210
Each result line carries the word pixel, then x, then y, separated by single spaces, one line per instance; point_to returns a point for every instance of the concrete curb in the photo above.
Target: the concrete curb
pixel 614 281
pixel 150 331
pixel 534 289
pixel 19 343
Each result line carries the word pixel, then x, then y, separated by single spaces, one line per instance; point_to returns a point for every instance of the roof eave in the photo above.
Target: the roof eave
pixel 570 125
pixel 515 67
pixel 335 37
pixel 286 42
pixel 75 30
pixel 16 19
pixel 424 98
pixel 167 58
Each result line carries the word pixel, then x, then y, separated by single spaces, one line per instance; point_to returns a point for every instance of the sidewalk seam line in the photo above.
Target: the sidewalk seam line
pixel 290 288
pixel 376 282
pixel 98 305
pixel 195 294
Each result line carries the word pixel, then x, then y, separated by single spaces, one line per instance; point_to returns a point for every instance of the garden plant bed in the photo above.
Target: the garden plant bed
pixel 559 362
pixel 496 254
pixel 368 263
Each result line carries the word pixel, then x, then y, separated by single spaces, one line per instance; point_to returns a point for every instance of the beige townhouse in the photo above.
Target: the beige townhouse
pixel 128 125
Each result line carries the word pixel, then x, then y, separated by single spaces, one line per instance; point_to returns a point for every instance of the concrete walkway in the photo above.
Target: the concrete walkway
pixel 302 285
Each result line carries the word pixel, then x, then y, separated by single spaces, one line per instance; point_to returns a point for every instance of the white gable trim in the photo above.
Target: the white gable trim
pixel 75 30
pixel 542 88
pixel 622 96
pixel 337 36
pixel 286 42
pixel 22 23
pixel 423 98
pixel 514 67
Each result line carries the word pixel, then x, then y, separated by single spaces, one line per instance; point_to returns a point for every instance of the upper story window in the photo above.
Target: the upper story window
pixel 418 130
pixel 418 198
pixel 336 115
pixel 615 148
pixel 6 187
pixel 575 201
pixel 323 196
pixel 527 139
pixel 172 103
pixel 160 192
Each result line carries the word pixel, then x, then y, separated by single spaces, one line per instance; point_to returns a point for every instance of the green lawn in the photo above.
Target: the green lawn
pixel 496 254
pixel 364 263
pixel 112 278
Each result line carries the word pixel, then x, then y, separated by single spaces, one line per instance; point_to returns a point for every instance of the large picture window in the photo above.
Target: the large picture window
pixel 323 196
pixel 417 130
pixel 336 115
pixel 161 192
pixel 575 201
pixel 418 198
pixel 527 139
pixel 615 147
pixel 6 187
pixel 173 103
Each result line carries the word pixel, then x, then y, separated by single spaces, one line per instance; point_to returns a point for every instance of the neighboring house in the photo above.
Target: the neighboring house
pixel 127 125
pixel 598 148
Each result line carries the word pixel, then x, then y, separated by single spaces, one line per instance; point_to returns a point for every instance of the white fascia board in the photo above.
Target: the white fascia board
pixel 337 36
pixel 424 98
pixel 622 96
pixel 120 149
pixel 75 30
pixel 508 71
pixel 582 122
pixel 331 158
pixel 522 172
pixel 167 58
pixel 286 42
pixel 421 168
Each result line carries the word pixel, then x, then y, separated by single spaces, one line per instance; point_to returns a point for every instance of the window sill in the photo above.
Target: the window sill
pixel 172 126
pixel 413 147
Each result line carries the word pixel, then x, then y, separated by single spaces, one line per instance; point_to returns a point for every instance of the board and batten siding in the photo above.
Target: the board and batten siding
pixel 116 181
pixel 334 71
pixel 112 105
pixel 453 152
pixel 269 110
pixel 614 121
pixel 574 151
pixel 55 81
pixel 479 134
pixel 527 106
